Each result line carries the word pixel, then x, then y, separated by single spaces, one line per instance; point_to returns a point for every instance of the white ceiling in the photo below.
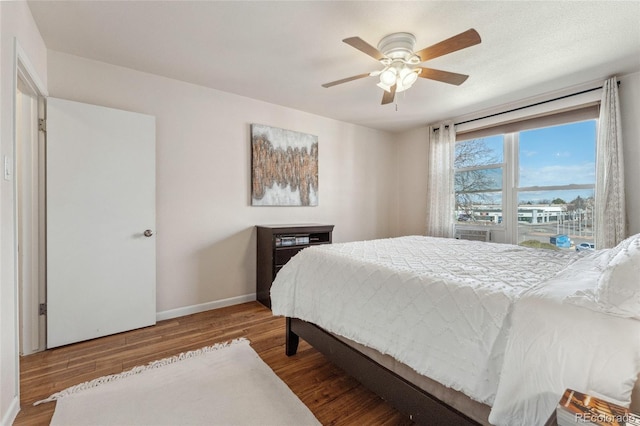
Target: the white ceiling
pixel 281 52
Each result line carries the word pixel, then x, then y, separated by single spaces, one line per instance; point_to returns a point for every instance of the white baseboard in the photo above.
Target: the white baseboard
pixel 194 309
pixel 12 412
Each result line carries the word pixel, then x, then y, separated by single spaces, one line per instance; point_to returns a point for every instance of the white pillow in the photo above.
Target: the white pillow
pixel 618 287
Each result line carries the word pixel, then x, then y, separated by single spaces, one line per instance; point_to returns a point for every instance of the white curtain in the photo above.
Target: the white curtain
pixel 610 216
pixel 440 189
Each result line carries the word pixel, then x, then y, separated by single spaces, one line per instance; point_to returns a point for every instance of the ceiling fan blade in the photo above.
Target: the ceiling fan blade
pixel 345 80
pixel 387 97
pixel 364 47
pixel 443 76
pixel 461 41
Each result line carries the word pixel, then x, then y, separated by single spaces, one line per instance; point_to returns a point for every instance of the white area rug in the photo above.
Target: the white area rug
pixel 225 384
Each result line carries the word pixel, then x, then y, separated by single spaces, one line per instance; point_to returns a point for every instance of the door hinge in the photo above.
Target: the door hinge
pixel 43 309
pixel 42 125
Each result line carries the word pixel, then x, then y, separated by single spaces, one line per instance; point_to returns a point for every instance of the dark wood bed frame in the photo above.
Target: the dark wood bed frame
pixel 418 405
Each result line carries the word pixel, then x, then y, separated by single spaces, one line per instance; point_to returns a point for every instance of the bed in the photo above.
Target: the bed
pixel 453 331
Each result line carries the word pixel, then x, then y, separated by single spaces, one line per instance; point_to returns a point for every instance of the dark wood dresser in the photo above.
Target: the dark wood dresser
pixel 279 243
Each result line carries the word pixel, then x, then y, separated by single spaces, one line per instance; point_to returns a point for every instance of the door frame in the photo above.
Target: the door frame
pixel 25 71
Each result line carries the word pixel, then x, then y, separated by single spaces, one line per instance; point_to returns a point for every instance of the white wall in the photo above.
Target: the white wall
pixel 16 22
pixel 413 156
pixel 206 240
pixel 413 164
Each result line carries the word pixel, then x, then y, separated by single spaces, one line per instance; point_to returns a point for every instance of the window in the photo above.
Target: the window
pixel 537 184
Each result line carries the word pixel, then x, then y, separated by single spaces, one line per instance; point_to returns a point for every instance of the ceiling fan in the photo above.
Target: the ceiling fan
pixel 395 53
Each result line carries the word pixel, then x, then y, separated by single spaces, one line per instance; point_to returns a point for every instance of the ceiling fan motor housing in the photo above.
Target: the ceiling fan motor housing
pixel 398 46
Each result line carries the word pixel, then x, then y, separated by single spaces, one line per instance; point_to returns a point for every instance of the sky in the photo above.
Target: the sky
pixel 559 155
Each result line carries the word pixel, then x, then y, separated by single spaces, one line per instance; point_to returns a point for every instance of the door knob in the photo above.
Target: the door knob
pixel 148 233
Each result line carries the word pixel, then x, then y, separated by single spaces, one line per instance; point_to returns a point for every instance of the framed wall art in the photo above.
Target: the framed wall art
pixel 284 167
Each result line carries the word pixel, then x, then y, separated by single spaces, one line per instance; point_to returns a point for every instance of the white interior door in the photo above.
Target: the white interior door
pixel 101 272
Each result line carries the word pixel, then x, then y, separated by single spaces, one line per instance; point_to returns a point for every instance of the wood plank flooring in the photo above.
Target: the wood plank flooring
pixel 334 397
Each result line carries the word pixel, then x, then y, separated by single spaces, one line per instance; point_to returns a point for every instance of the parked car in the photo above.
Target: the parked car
pixel 585 246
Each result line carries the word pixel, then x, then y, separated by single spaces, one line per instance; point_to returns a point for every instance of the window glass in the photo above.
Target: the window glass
pixel 480 208
pixel 553 161
pixel 558 155
pixel 479 152
pixel 545 215
pixel 553 205
pixel 478 180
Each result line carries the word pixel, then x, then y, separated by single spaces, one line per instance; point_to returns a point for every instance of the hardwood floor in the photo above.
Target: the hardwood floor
pixel 332 396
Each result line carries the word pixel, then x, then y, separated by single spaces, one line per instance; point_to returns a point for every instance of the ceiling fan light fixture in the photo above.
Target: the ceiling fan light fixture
pixel 408 77
pixel 388 77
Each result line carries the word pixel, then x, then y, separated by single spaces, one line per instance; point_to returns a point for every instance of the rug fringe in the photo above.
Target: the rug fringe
pixel 137 370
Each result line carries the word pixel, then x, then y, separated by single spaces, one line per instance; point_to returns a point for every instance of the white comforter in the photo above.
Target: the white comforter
pixel 556 343
pixel 401 295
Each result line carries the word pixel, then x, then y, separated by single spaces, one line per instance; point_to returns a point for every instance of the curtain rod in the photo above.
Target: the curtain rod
pixel 526 106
